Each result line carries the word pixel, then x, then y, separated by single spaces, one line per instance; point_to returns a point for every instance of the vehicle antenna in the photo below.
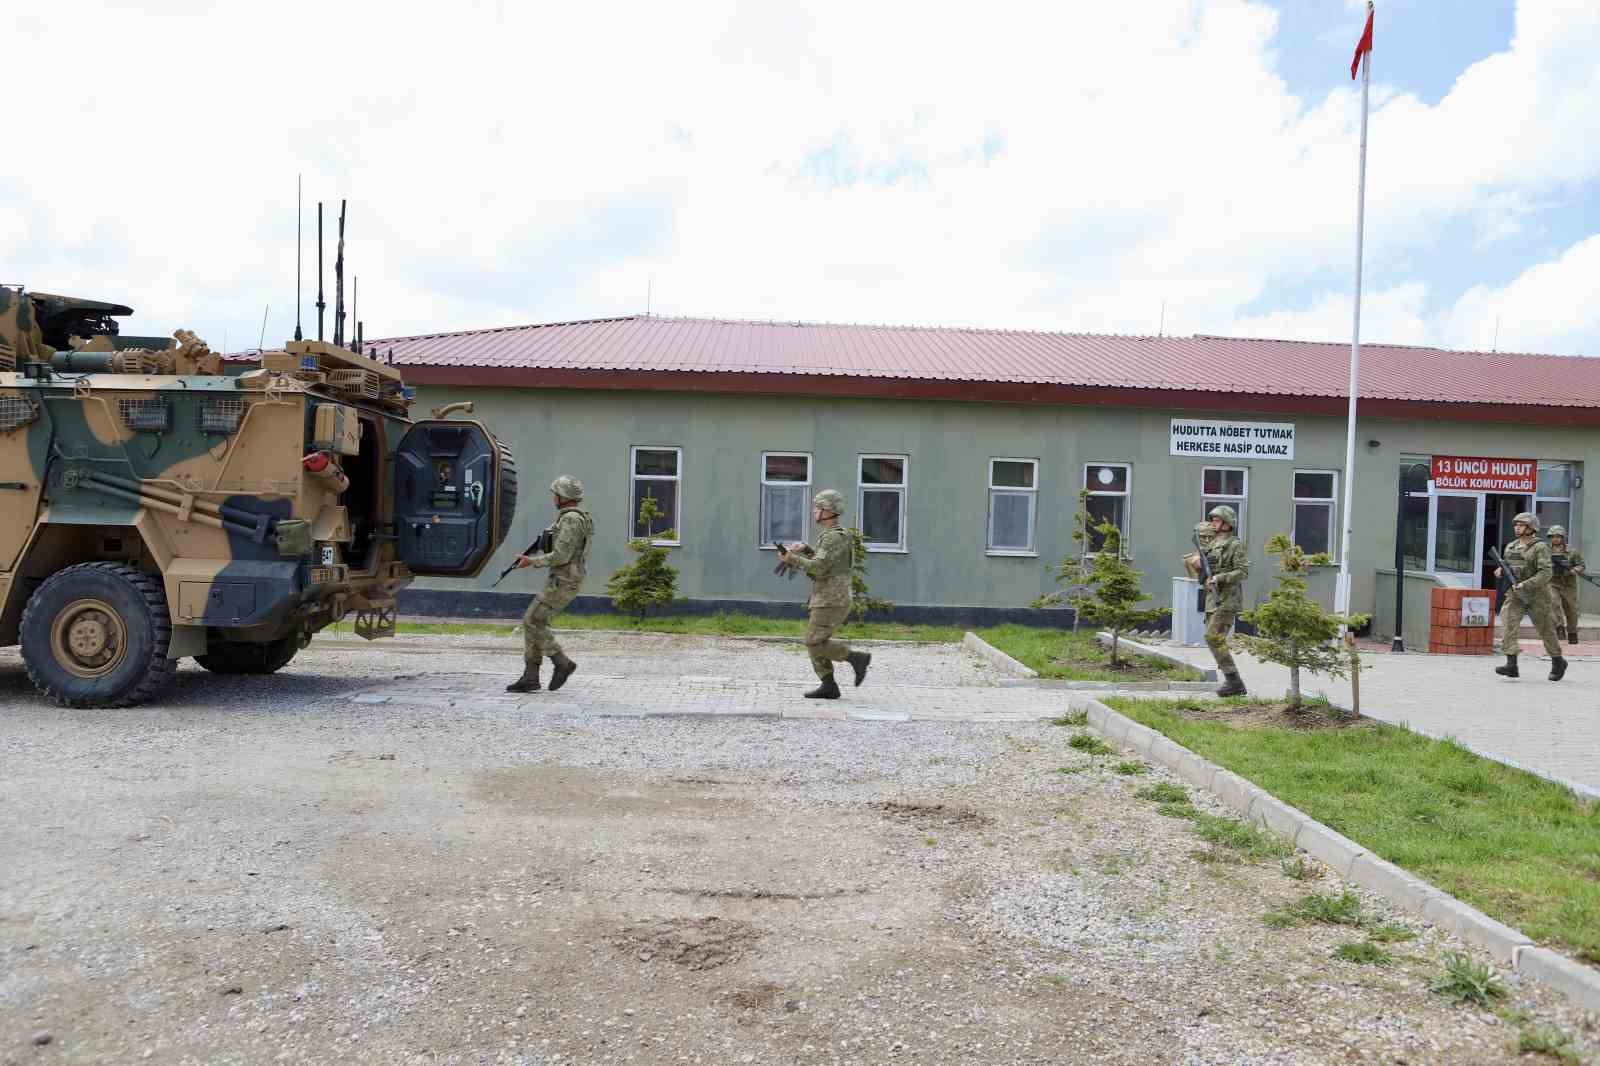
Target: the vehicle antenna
pixel 338 284
pixel 263 338
pixel 299 227
pixel 1496 346
pixel 1161 330
pixel 355 315
pixel 321 303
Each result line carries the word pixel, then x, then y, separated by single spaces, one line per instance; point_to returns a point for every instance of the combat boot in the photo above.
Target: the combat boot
pixel 828 690
pixel 563 670
pixel 1574 638
pixel 1558 668
pixel 529 681
pixel 859 661
pixel 1509 669
pixel 1232 685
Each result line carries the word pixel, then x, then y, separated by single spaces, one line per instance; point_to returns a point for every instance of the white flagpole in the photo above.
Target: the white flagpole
pixel 1341 597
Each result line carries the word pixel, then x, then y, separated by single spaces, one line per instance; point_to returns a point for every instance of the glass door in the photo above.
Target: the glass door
pixel 1456 545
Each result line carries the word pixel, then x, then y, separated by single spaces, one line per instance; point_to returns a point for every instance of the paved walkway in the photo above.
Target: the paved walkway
pixel 1550 728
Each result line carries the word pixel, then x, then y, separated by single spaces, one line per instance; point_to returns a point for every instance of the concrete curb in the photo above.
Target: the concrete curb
pixel 995 657
pixel 1579 983
pixel 1157 653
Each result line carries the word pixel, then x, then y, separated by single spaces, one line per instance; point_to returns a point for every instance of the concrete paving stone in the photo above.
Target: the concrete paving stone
pixel 1195 770
pixel 878 716
pixel 1579 982
pixel 1234 790
pixel 1140 738
pixel 1475 927
pixel 1335 850
pixel 1391 882
pixel 1276 815
pixel 1166 752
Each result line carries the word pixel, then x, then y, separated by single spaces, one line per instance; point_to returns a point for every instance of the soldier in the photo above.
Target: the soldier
pixel 1565 583
pixel 1230 565
pixel 1530 594
pixel 828 567
pixel 568 559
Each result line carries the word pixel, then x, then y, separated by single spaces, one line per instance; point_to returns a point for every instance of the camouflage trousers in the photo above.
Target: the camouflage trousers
pixel 537 640
pixel 823 649
pixel 1543 614
pixel 1569 607
pixel 1219 624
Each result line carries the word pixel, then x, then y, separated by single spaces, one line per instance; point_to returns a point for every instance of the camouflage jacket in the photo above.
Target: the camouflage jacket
pixel 828 567
pixel 1567 581
pixel 1531 560
pixel 1230 565
pixel 568 557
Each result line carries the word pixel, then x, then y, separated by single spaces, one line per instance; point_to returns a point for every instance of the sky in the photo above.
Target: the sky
pixel 1186 166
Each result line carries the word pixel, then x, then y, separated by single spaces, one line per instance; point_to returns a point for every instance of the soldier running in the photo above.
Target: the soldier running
pixel 1529 557
pixel 567 560
pixel 1565 583
pixel 1230 565
pixel 828 567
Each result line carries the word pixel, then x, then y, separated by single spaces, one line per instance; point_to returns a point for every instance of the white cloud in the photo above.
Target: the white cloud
pixel 1065 167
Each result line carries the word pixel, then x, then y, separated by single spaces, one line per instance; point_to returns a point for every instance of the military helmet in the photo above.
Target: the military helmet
pixel 828 500
pixel 567 487
pixel 1529 519
pixel 1224 512
pixel 1558 531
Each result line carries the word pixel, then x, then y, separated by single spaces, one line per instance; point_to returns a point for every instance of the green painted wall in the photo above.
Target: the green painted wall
pixel 588 434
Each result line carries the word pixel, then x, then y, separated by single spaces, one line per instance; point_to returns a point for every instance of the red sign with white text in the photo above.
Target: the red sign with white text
pixel 1475 473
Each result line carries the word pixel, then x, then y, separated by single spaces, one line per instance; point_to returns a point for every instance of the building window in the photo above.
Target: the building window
pixel 1552 502
pixel 1107 485
pixel 1225 485
pixel 1316 494
pixel 657 472
pixel 881 498
pixel 785 497
pixel 1013 495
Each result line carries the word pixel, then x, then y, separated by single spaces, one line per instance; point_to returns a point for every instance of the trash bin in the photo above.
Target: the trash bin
pixel 1188 618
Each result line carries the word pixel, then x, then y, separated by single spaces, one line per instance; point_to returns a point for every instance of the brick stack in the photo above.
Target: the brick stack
pixel 1446 634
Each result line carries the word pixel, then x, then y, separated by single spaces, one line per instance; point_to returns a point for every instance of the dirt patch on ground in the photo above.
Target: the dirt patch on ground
pixel 693 943
pixel 931 815
pixel 1128 668
pixel 1268 714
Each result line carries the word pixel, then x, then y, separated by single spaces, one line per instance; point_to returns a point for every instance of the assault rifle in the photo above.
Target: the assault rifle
pixel 1508 577
pixel 542 543
pixel 1562 566
pixel 1205 573
pixel 784 569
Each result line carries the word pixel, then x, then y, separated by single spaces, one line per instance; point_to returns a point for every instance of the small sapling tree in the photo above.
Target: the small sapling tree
pixel 1296 631
pixel 861 598
pixel 1102 588
pixel 649 581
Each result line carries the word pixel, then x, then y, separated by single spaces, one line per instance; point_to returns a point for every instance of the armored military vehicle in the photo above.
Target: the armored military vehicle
pixel 154 507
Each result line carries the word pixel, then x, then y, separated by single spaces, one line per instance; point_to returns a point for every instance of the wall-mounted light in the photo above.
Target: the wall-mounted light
pixel 1374 444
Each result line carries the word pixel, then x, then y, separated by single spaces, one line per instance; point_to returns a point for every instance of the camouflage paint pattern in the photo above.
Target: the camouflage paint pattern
pixel 197 478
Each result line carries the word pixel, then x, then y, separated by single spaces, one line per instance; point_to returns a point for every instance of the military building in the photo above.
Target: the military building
pixel 962 452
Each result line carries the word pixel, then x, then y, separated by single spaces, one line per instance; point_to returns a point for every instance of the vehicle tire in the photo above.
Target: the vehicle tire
pixel 508 488
pixel 240 657
pixel 96 635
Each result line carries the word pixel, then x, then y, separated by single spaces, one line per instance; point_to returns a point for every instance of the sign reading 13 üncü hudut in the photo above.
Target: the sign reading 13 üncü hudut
pixel 1205 439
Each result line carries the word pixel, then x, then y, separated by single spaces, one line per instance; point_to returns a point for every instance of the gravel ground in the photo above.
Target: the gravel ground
pixel 260 870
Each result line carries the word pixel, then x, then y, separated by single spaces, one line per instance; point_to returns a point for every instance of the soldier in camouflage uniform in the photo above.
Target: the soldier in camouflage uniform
pixel 1530 558
pixel 828 566
pixel 567 560
pixel 1230 565
pixel 1565 583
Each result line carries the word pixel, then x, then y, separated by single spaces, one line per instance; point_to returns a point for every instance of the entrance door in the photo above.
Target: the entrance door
pixel 1457 547
pixel 1499 510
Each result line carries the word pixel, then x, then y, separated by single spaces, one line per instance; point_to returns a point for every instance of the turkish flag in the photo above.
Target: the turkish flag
pixel 1363 45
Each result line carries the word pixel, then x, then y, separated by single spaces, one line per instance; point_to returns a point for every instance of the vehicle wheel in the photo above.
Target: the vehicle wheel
pixel 239 657
pixel 96 635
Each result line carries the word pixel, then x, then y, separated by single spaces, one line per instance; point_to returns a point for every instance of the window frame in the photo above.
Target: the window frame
pixel 1032 550
pixel 904 490
pixel 1332 503
pixel 805 517
pixel 1126 495
pixel 1571 499
pixel 676 480
pixel 1239 503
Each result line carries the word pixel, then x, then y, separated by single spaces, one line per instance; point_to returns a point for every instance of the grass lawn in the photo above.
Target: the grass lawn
pixel 1061 654
pixel 1513 845
pixel 716 625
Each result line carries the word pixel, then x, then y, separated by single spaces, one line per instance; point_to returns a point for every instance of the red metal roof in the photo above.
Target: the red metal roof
pixel 797 352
